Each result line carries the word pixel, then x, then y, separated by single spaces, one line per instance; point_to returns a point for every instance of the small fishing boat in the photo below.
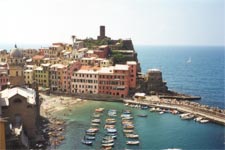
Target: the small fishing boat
pixel 142 115
pixel 128 131
pixel 109 137
pixel 111 134
pixel 144 107
pixel 107 141
pixel 89 137
pixel 107 144
pixel 87 142
pixel 204 121
pixel 113 130
pixel 96 121
pixel 99 109
pixel 152 109
pixel 161 112
pixel 128 126
pixel 92 130
pixel 90 133
pixel 132 136
pixel 133 142
pixel 198 119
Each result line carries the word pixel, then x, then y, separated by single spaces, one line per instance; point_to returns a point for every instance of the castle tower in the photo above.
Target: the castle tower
pixel 102 33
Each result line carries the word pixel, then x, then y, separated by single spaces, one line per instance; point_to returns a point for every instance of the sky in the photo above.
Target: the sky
pixel 148 22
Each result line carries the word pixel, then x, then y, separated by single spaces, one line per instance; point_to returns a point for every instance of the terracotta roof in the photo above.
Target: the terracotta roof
pixel 36 57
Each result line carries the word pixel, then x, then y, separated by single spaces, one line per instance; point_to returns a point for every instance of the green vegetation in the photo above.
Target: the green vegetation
pixel 91 43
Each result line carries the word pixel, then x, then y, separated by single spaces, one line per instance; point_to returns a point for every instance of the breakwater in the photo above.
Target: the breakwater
pixel 211 113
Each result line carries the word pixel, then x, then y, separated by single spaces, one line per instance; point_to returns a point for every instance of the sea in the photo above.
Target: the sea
pixel 194 70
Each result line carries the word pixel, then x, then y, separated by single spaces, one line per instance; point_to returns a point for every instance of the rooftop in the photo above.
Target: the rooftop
pixel 27 93
pixel 121 67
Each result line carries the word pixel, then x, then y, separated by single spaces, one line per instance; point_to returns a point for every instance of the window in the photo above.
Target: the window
pixel 17 100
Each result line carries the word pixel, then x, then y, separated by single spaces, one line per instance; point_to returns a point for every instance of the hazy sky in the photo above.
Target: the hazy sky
pixel 152 22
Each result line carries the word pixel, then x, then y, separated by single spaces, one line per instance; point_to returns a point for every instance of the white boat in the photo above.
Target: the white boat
pixel 133 136
pixel 187 117
pixel 133 142
pixel 189 60
pixel 161 112
pixel 111 130
pixel 204 121
pixel 198 119
pixel 108 141
pixel 107 144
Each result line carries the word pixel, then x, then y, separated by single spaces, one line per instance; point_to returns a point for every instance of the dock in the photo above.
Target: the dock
pixel 213 114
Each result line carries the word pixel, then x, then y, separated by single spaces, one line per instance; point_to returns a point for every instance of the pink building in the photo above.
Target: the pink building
pixel 85 80
pixel 114 80
pixel 67 74
pixel 133 73
pixel 4 76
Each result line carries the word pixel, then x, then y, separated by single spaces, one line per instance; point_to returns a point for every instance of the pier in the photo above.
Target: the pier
pixel 213 114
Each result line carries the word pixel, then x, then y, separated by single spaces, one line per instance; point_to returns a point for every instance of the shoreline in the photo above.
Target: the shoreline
pixel 54 103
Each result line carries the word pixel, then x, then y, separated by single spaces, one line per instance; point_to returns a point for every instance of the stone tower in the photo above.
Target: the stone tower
pixel 102 33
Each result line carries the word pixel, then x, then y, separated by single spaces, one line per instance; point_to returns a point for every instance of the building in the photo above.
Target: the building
pixel 29 53
pixel 67 74
pixel 114 80
pixel 19 105
pixel 102 33
pixel 38 59
pixel 56 77
pixel 133 73
pixel 16 63
pixel 41 75
pixel 3 56
pixel 2 131
pixel 155 82
pixel 85 80
pixel 102 51
pixel 29 74
pixel 4 76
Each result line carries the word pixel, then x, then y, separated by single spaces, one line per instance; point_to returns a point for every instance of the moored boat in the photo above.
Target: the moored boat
pixel 133 142
pixel 142 115
pixel 204 121
pixel 89 137
pixel 107 144
pixel 133 136
pixel 87 142
pixel 107 141
pixel 113 130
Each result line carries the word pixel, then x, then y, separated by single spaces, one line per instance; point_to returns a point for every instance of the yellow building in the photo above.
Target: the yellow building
pixel 41 75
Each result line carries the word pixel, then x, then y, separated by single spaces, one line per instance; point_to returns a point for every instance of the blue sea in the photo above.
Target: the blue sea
pixel 203 76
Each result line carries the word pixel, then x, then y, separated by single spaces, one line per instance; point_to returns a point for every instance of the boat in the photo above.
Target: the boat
pixel 133 142
pixel 128 131
pixel 96 121
pixel 89 137
pixel 106 147
pixel 127 111
pixel 142 115
pixel 128 126
pixel 107 141
pixel 87 142
pixel 95 115
pixel 95 124
pixel 90 133
pixel 187 116
pixel 92 130
pixel 113 130
pixel 107 144
pixel 109 126
pixel 99 109
pixel 111 134
pixel 109 137
pixel 204 121
pixel 198 119
pixel 189 60
pixel 161 112
pixel 144 107
pixel 152 109
pixel 133 136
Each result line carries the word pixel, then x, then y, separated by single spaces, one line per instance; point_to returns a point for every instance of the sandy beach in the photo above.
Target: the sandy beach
pixel 53 103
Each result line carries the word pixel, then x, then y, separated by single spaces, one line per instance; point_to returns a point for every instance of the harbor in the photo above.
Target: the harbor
pixel 215 115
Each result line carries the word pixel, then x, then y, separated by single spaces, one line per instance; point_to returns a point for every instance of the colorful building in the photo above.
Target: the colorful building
pixel 85 80
pixel 4 76
pixel 41 75
pixel 56 77
pixel 114 80
pixel 3 55
pixel 29 74
pixel 133 73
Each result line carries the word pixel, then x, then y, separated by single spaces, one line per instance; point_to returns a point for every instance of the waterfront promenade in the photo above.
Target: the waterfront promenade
pixel 213 114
